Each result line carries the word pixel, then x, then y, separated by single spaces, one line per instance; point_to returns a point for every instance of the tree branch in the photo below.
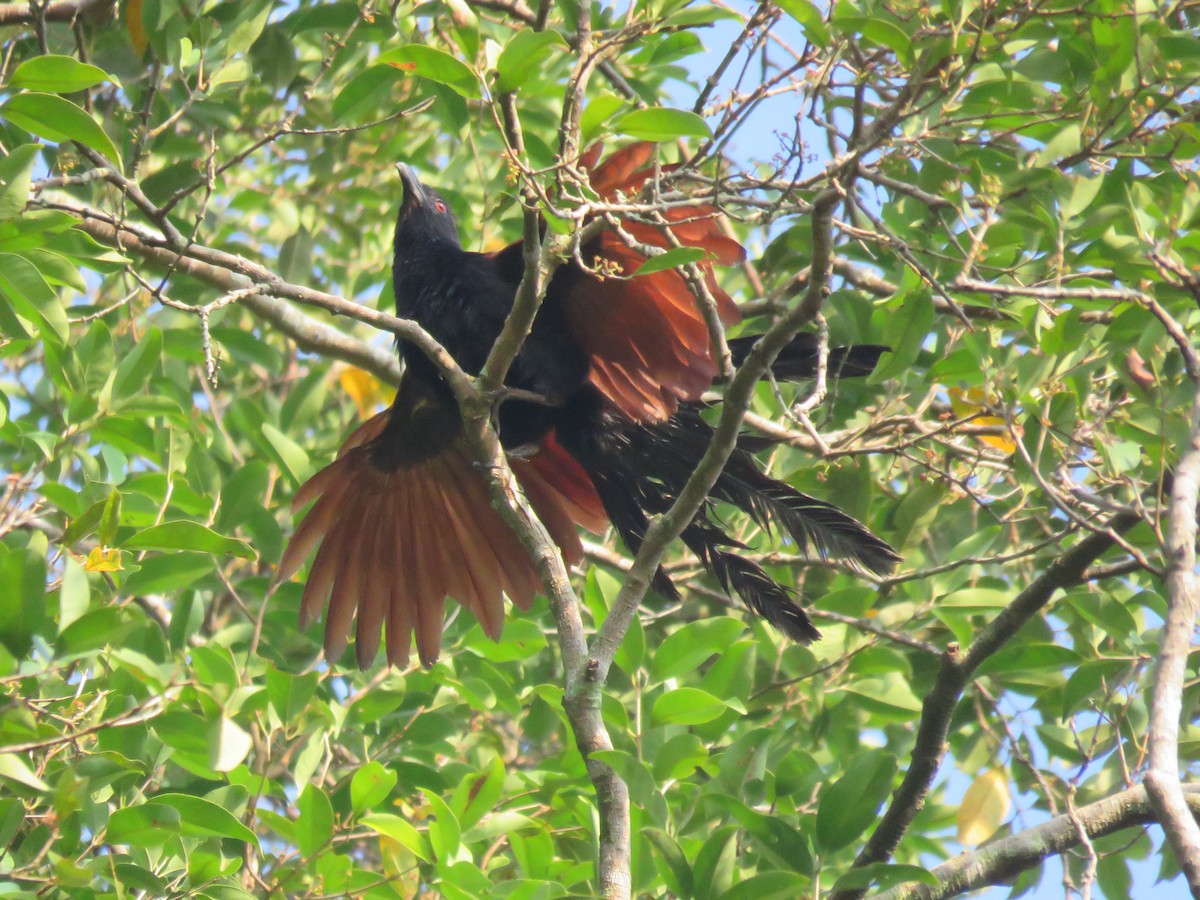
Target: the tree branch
pixel 1005 858
pixel 957 668
pixel 307 333
pixel 229 273
pixel 59 11
pixel 1183 603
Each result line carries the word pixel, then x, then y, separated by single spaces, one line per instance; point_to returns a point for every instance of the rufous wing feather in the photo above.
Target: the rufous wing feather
pixel 645 336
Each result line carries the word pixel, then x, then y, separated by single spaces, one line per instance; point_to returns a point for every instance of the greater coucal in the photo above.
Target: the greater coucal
pixel 403 516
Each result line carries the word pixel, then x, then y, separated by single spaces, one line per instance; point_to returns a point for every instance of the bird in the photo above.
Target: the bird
pixel 604 425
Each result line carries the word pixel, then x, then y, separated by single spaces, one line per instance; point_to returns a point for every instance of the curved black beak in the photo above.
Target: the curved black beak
pixel 414 191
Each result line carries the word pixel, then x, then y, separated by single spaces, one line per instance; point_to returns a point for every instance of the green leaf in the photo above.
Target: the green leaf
pixel 635 773
pixel 203 818
pixel 15 769
pixel 58 74
pixel 883 876
pixel 314 826
pixel 247 30
pixel 466 26
pixel 309 758
pixel 1066 142
pixel 496 824
pixel 232 72
pixel 147 825
pixel 632 770
pixel 768 886
pixel 1104 612
pixel 98 628
pixel 436 65
pixel 133 373
pixel 786 845
pixel 32 298
pixel 109 519
pixel 713 869
pixel 214 666
pixel 1083 192
pixel 444 832
pixel 1029 657
pixel 138 879
pixel 679 757
pixel 980 598
pixel 632 651
pixel 687 648
pixel 886 34
pixel 186 535
pixel 12 816
pixel 887 696
pixel 169 572
pixel 661 124
pixel 364 93
pixel 22 595
pixel 875 30
pixel 370 786
pixel 228 744
pixel 479 793
pixel 671 259
pixel 75 594
pixel 288 453
pixel 401 831
pixel 56 119
pixel 677 873
pixel 16 172
pixel 58 270
pixel 851 804
pixel 524 55
pixel 687 706
pixel 11 326
pixel 289 694
pixel 911 324
pixel 143 668
pixel 810 20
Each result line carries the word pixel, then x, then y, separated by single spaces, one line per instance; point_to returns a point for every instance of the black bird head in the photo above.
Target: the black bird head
pixel 424 216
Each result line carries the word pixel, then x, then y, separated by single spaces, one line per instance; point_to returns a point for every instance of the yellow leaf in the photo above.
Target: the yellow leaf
pixel 396 859
pixel 1001 442
pixel 364 389
pixel 984 808
pixel 975 405
pixel 967 403
pixel 103 559
pixel 133 23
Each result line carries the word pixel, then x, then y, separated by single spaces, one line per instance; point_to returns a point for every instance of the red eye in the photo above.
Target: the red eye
pixel 439 206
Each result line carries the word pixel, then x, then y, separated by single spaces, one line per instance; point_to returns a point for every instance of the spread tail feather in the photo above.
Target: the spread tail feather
pixel 395 543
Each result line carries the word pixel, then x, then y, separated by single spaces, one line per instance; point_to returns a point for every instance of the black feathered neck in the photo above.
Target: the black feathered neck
pixel 424 220
pixel 427 248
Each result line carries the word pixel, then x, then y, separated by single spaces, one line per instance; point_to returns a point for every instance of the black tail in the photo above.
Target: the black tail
pixel 639 471
pixel 819 528
pixel 798 360
pixel 763 594
pixel 671 451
